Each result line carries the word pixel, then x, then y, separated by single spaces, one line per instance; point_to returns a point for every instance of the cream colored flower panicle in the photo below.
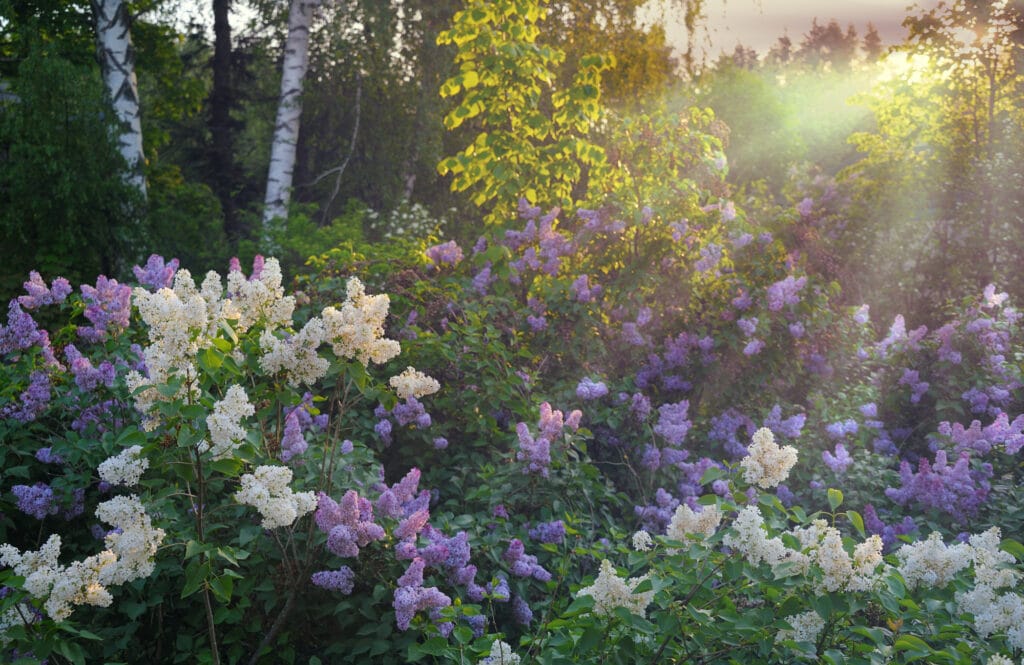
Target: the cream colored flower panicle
pixel 642 541
pixel 125 468
pixel 225 423
pixel 806 627
pixel 501 654
pixel 267 490
pixel 130 548
pixel 260 300
pixel 295 357
pixel 413 383
pixel 931 563
pixel 749 538
pixel 685 521
pixel 134 539
pixel 766 465
pixel 357 329
pixel 610 591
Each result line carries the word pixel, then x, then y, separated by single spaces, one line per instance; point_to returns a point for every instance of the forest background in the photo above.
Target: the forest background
pixel 924 165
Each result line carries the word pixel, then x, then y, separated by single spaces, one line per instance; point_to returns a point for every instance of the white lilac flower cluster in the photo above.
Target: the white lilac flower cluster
pixel 125 468
pixel 501 654
pixel 357 329
pixel 820 545
pixel 296 356
pixel 766 465
pixel 130 548
pixel 610 591
pixel 685 521
pixel 806 627
pixel 259 299
pixel 224 424
pixel 267 490
pixel 994 611
pixel 133 539
pixel 413 383
pixel 642 541
pixel 931 562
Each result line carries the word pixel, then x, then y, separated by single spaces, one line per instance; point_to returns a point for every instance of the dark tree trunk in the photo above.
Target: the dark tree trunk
pixel 221 126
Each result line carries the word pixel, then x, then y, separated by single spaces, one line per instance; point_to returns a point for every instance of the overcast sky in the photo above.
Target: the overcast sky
pixel 758 23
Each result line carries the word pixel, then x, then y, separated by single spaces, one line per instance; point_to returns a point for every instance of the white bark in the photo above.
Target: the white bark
pixel 117 61
pixel 289 111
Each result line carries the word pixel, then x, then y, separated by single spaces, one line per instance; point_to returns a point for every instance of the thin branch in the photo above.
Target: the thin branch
pixel 339 170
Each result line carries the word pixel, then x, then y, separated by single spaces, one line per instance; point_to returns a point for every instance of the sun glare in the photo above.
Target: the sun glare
pixel 910 68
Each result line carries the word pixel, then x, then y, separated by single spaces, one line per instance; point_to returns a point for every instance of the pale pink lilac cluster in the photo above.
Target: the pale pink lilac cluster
pixel 535 452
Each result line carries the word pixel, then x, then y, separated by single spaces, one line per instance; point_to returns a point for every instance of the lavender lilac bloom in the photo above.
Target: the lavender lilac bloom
pixel 548 532
pixel 88 377
pixel 874 525
pixel 35 500
pixel 784 292
pixel 655 517
pixel 976 439
pixel 523 564
pixel 293 443
pixel 349 524
pixel 342 580
pixel 156 274
pixel 954 489
pixel 445 254
pixel 672 423
pixel 587 389
pixel 109 307
pixel 39 294
pixel 31 403
pixel 839 461
pixel 21 331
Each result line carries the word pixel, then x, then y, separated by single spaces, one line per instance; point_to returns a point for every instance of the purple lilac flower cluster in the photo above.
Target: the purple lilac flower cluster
pixel 156 274
pixel 654 518
pixel 584 291
pixel 838 461
pixel 535 452
pixel 724 429
pixel 955 489
pixel 981 440
pixel 912 380
pixel 588 389
pixel 544 249
pixel 342 580
pixel 36 500
pixel 108 309
pixel 842 428
pixel 300 420
pixel 523 564
pixel 548 532
pixel 673 424
pixel 445 254
pixel 88 377
pixel 32 402
pixel 874 525
pixel 784 292
pixel 349 524
pixel 790 427
pixel 39 294
pixel 21 331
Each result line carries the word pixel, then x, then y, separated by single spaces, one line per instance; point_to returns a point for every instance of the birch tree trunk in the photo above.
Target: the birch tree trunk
pixel 289 111
pixel 117 61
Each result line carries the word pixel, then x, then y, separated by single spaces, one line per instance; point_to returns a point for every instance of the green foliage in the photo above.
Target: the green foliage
pixel 61 211
pixel 533 139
